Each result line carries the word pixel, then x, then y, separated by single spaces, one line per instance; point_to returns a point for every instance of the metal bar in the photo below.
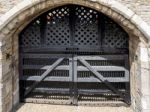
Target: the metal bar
pixel 101 78
pixel 44 75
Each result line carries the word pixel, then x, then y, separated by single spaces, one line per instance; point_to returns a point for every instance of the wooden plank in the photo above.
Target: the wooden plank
pixel 48 78
pixel 41 49
pixel 62 48
pixel 127 76
pixel 79 68
pixel 66 79
pixel 96 91
pixel 97 80
pixel 104 57
pixel 71 79
pixel 80 91
pixel 101 78
pixel 44 75
pixel 75 80
pixel 40 55
pixel 52 90
pixel 47 101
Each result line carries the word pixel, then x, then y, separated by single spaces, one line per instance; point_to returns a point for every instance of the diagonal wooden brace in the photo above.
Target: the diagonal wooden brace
pixel 102 79
pixel 52 67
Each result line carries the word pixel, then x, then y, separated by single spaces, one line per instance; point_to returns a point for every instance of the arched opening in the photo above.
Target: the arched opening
pixel 14 21
pixel 74 55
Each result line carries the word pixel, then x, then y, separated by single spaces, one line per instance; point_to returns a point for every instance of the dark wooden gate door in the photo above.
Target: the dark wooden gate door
pixel 74 55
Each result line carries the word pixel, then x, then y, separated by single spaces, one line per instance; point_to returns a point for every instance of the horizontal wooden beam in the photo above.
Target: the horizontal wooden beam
pixel 79 68
pixel 66 79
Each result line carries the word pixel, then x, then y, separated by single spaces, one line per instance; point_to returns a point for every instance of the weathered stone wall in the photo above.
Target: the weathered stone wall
pixel 138 47
pixel 141 7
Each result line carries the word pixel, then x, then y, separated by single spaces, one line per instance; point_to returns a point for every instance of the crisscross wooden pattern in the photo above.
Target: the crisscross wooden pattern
pixel 114 36
pixel 57 28
pixel 31 35
pixel 86 27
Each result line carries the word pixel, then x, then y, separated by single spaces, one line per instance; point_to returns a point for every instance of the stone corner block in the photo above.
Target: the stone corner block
pixel 118 7
pixel 143 26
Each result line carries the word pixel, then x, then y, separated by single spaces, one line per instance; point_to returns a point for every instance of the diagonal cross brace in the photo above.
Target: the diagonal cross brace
pixel 52 67
pixel 102 79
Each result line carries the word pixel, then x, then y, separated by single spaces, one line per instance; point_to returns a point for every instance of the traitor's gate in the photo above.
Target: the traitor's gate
pixel 74 55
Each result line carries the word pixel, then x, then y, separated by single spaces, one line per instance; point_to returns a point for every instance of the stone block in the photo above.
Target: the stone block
pixel 145 110
pixel 82 2
pixel 145 28
pixel 145 65
pixel 8 103
pixel 136 20
pixel 144 54
pixel 16 97
pixel 102 2
pixel 126 12
pixel 146 102
pixel 145 81
pixel 13 24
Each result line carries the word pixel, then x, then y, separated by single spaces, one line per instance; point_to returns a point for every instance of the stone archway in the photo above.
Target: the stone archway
pixel 17 18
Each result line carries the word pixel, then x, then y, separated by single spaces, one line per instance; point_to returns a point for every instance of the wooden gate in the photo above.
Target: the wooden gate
pixel 74 55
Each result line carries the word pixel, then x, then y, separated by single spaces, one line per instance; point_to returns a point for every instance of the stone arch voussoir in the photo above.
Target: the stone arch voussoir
pixel 28 9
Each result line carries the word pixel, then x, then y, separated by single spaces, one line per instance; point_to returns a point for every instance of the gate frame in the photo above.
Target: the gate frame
pixel 17 18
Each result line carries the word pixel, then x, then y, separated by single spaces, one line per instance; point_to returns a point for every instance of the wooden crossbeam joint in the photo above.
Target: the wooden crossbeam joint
pixel 43 76
pixel 101 78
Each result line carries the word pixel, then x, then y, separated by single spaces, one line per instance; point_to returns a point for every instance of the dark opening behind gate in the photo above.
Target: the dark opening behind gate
pixel 74 55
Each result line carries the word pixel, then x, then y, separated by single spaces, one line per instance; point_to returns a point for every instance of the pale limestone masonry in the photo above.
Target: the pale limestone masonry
pixel 132 15
pixel 140 7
